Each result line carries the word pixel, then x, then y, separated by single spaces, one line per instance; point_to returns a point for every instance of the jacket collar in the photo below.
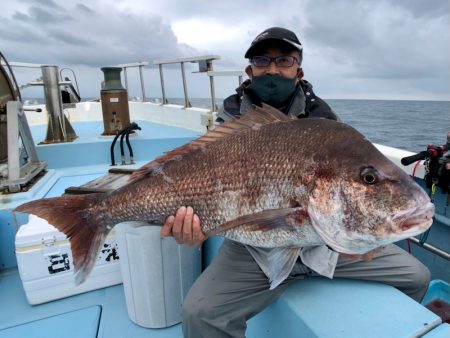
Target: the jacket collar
pixel 296 107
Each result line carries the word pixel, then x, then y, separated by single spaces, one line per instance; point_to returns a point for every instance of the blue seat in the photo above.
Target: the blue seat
pixel 442 331
pixel 340 308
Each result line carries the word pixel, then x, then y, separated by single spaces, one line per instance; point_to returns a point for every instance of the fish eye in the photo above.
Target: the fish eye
pixel 369 175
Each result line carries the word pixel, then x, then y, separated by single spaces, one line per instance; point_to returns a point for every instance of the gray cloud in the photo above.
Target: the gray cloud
pixel 46 3
pixel 421 8
pixel 14 35
pixel 373 49
pixel 68 38
pixel 21 16
pixel 43 12
pixel 80 34
pixel 84 8
pixel 41 16
pixel 381 39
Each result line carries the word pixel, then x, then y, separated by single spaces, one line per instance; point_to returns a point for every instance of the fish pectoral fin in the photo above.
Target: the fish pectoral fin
pixel 266 220
pixel 277 263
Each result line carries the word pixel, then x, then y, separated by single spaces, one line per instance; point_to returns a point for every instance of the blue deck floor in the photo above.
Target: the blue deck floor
pixel 112 321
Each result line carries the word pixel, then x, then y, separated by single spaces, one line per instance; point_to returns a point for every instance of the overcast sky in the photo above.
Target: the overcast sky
pixel 385 49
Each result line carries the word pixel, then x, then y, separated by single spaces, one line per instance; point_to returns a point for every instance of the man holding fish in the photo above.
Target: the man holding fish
pixel 241 281
pixel 295 192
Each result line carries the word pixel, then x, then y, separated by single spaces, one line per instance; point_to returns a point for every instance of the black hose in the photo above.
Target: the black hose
pixel 112 148
pixel 134 127
pixel 123 131
pixel 127 140
pixel 122 152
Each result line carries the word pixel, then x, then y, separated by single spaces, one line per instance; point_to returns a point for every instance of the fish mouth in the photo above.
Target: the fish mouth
pixel 402 225
pixel 414 221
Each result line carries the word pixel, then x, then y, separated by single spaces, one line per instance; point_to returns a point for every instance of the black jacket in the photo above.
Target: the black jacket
pixel 313 105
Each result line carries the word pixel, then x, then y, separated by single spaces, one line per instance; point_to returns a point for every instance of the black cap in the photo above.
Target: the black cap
pixel 277 34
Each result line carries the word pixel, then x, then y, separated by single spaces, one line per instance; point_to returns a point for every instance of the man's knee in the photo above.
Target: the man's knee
pixel 202 319
pixel 423 276
pixel 191 311
pixel 419 279
pixel 197 309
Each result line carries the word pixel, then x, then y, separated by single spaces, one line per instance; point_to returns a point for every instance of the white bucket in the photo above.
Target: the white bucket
pixel 157 273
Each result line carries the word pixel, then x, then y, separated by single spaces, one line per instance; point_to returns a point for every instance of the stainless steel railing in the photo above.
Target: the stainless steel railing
pixel 212 74
pixel 139 65
pixel 205 64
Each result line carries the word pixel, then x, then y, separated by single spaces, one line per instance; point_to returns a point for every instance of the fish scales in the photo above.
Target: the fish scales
pixel 230 178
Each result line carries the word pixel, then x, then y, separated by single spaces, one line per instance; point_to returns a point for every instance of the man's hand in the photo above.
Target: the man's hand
pixel 184 227
pixel 368 256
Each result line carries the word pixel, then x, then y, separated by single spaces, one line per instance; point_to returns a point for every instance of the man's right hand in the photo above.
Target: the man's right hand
pixel 184 227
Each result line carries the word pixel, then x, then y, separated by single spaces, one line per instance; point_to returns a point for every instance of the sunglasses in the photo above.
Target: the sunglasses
pixel 283 61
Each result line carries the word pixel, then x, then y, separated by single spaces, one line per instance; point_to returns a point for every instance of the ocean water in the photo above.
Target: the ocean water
pixel 408 125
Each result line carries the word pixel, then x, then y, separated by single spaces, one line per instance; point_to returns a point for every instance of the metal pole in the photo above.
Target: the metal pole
pixel 53 103
pixel 125 77
pixel 211 83
pixel 142 83
pixel 213 94
pixel 27 138
pixel 186 99
pixel 240 80
pixel 431 248
pixel 161 76
pixel 13 109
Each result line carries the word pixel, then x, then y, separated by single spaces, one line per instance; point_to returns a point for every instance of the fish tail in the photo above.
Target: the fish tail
pixel 70 215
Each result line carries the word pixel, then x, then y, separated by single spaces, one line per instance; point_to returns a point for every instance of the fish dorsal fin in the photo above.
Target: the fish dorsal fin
pixel 256 118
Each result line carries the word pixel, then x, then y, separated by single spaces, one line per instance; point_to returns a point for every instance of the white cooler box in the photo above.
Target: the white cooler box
pixel 44 259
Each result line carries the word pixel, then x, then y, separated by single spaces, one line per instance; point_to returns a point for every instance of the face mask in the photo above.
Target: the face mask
pixel 273 89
